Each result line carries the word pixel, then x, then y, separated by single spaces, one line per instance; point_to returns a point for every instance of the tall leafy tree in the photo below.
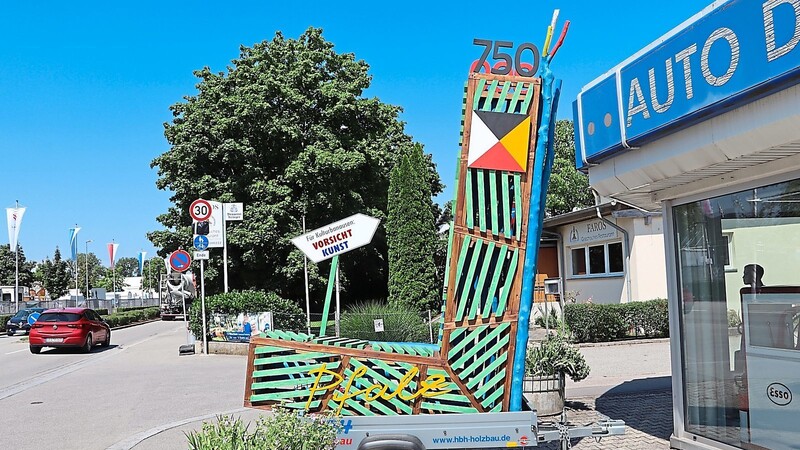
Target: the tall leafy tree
pixel 54 275
pixel 286 130
pixel 569 188
pixel 152 271
pixel 95 271
pixel 8 267
pixel 128 266
pixel 411 232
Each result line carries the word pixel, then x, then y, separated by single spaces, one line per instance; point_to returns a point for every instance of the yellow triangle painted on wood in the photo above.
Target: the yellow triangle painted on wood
pixel 517 141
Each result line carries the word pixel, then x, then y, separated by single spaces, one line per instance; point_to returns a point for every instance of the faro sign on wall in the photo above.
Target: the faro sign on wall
pixel 731 53
pixel 337 238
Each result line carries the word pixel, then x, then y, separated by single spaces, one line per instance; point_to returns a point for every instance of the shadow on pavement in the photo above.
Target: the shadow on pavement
pixel 644 404
pixel 75 350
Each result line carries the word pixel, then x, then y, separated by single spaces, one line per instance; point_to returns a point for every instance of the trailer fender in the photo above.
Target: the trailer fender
pixel 391 442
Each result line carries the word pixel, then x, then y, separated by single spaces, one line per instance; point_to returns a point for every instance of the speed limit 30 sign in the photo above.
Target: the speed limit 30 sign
pixel 200 210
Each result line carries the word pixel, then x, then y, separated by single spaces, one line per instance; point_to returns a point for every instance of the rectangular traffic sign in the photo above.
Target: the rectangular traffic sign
pixel 234 211
pixel 201 255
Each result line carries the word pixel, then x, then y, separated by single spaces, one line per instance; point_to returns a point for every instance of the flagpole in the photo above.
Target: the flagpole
pixel 75 264
pixel 16 261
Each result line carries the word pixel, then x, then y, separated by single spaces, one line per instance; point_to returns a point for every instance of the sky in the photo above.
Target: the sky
pixel 85 87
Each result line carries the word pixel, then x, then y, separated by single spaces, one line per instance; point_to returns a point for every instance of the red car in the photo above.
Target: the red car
pixel 69 327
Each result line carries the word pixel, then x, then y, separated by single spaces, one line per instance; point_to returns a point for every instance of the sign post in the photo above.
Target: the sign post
pixel 235 212
pixel 331 241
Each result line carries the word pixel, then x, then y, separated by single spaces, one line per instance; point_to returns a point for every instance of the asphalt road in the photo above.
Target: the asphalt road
pixel 69 400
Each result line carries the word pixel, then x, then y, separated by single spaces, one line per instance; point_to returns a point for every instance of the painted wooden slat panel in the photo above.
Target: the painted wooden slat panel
pixel 291 358
pixel 292 370
pixel 491 92
pixel 518 204
pixel 302 393
pixel 493 206
pixel 481 85
pixel 480 299
pixel 470 280
pixel 470 216
pixel 478 348
pixel 496 382
pixel 507 232
pixel 518 88
pixel 462 257
pixel 478 378
pixel 526 101
pixel 501 100
pixel 492 292
pixel 487 354
pixel 443 407
pixel 491 399
pixel 506 289
pixel 480 175
pixel 468 339
pixel 289 382
pixel 261 349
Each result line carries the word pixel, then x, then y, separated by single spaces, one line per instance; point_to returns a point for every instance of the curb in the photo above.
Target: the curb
pixel 135 324
pixel 626 342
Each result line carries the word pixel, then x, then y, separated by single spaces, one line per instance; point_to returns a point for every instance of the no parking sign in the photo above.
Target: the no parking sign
pixel 180 260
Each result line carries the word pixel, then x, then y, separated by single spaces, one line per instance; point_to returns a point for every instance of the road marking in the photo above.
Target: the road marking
pixel 17 351
pixel 138 438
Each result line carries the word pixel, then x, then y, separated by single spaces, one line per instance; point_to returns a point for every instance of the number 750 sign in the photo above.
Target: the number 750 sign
pixel 506 63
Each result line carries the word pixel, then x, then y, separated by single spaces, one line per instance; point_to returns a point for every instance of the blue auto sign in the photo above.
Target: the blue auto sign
pixel 730 54
pixel 33 317
pixel 200 242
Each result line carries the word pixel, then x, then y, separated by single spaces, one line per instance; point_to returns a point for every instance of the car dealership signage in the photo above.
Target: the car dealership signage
pixel 729 54
pixel 337 238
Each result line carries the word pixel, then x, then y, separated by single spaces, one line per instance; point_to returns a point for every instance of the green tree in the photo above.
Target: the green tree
pixel 569 188
pixel 55 275
pixel 153 269
pixel 286 130
pixel 8 267
pixel 95 269
pixel 411 232
pixel 128 266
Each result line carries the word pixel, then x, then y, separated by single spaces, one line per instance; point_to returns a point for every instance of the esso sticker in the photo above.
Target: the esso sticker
pixel 779 394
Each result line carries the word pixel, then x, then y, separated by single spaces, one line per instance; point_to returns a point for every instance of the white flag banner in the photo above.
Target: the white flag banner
pixel 14 216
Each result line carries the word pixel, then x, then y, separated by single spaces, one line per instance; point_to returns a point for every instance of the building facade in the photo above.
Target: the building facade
pixel 704 125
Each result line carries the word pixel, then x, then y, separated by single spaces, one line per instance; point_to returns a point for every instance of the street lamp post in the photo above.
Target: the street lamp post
pixel 86 260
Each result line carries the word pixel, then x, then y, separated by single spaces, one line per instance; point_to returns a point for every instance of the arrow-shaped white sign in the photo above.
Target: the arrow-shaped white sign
pixel 337 238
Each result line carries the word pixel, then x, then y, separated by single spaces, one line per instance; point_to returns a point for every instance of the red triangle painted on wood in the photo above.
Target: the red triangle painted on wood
pixel 497 158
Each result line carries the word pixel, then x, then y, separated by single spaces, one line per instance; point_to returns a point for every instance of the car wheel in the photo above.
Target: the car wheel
pixel 107 340
pixel 10 332
pixel 35 350
pixel 87 347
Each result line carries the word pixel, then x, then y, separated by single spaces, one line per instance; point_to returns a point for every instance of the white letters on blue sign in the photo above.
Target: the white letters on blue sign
pixel 773 50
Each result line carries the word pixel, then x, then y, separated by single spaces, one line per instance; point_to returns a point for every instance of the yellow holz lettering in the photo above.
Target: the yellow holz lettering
pixel 432 386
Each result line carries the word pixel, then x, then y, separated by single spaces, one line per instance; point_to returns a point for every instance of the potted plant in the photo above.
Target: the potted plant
pixel 547 363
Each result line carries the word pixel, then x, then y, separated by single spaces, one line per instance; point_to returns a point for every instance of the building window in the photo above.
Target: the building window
pixel 601 259
pixel 736 386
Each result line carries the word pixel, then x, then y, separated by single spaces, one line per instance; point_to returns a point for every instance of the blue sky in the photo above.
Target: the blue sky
pixel 85 87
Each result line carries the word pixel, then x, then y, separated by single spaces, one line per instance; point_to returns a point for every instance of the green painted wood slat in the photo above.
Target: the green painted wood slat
pixel 468 282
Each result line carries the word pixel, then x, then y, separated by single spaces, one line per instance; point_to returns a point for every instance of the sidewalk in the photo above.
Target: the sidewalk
pixel 630 381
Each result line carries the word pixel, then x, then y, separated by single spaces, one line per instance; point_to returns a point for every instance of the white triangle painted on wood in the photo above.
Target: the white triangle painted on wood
pixel 481 139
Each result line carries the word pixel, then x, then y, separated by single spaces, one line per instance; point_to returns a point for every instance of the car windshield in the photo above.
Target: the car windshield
pixel 59 317
pixel 21 313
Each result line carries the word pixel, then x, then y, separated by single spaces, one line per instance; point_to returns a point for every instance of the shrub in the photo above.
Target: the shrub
pixel 285 313
pixel 4 318
pixel 284 429
pixel 591 322
pixel 120 319
pixel 401 323
pixel 556 355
